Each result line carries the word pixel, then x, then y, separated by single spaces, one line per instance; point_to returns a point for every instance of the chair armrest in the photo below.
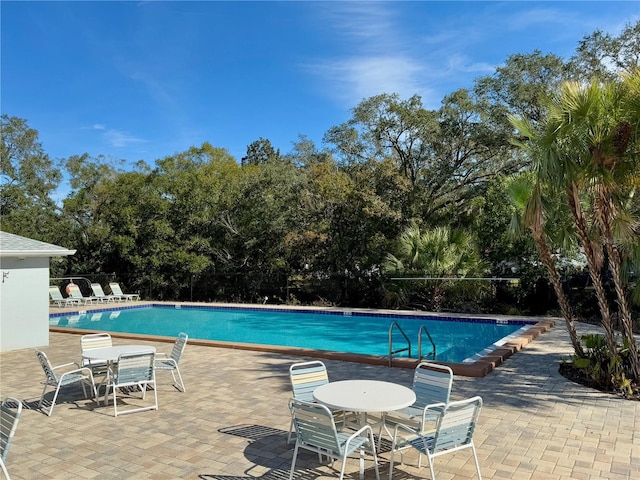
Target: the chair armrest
pixel 163 355
pixel 67 365
pixel 433 409
pixel 84 370
pixel 358 433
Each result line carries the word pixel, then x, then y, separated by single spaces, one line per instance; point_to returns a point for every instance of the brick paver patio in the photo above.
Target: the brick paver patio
pixel 231 424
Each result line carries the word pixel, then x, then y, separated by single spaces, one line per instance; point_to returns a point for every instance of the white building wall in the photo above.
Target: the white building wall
pixel 24 302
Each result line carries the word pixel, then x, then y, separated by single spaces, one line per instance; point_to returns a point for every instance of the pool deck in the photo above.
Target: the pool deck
pixel 232 422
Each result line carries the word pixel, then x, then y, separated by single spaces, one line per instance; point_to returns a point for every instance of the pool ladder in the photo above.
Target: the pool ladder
pixel 421 333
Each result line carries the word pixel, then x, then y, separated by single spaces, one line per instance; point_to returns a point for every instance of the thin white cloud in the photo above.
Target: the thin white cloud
pixel 98 126
pixel 382 56
pixel 119 138
pixel 362 77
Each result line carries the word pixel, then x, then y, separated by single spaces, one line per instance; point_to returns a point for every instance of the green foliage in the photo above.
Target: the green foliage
pixel 28 179
pixel 437 259
pixel 609 370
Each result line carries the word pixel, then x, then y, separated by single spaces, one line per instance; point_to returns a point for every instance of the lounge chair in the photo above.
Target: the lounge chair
pixel 316 431
pixel 117 291
pixel 132 370
pixel 77 375
pixel 170 362
pixel 99 294
pixel 74 292
pixel 10 411
pixel 455 425
pixel 58 300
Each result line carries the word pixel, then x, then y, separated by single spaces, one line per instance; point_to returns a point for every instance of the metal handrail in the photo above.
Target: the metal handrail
pixel 391 351
pixel 423 329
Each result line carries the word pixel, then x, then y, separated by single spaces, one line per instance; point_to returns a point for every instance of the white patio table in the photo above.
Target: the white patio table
pixel 111 355
pixel 365 396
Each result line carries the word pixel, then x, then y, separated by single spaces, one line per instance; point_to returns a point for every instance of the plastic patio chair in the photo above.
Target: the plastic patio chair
pixel 92 341
pixel 316 431
pixel 305 377
pixel 455 426
pixel 10 411
pixel 132 370
pixel 432 384
pixel 79 375
pixel 170 362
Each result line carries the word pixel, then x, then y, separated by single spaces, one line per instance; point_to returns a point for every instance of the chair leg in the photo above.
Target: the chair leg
pixel 431 469
pixel 180 378
pixel 393 453
pixel 290 432
pixel 293 462
pixel 53 402
pixel 42 397
pixel 4 469
pixel 115 401
pixel 475 457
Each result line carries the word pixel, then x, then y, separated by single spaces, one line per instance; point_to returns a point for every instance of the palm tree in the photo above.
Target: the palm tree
pixel 532 215
pixel 440 254
pixel 588 147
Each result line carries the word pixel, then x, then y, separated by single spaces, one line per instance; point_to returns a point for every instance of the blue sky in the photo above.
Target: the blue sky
pixel 143 80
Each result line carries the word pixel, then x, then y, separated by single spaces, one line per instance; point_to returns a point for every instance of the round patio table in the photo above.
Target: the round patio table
pixel 364 396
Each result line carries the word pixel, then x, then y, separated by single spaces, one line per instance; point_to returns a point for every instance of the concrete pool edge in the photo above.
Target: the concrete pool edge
pixel 479 368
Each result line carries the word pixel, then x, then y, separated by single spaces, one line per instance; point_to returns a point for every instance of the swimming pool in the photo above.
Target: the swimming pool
pixel 457 339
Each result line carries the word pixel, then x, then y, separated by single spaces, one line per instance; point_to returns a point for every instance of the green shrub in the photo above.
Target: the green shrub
pixel 609 371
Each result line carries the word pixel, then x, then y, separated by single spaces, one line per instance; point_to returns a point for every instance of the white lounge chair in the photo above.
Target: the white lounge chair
pixel 58 300
pixel 117 291
pixel 74 292
pixel 99 294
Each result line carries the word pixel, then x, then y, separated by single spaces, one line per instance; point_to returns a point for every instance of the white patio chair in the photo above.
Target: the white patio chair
pixel 10 411
pixel 170 362
pixel 78 375
pixel 305 377
pixel 432 385
pixel 132 370
pixel 316 431
pixel 455 426
pixel 92 341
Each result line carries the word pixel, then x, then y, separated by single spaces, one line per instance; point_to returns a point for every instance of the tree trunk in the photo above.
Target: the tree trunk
pixel 594 260
pixel 604 213
pixel 547 259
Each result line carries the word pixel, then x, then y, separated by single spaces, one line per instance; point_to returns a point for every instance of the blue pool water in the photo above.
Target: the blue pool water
pixel 457 340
